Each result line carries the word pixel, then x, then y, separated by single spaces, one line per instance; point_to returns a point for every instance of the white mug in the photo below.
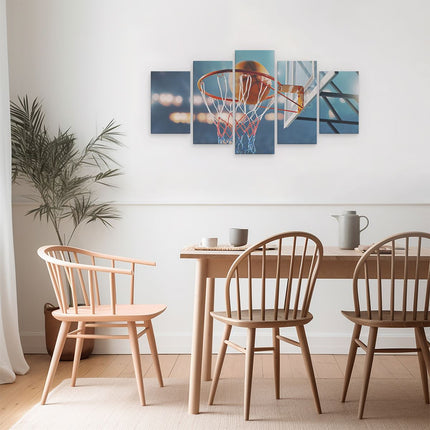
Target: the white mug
pixel 209 242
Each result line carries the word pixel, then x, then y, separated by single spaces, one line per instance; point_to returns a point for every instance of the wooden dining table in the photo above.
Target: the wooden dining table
pixel 211 264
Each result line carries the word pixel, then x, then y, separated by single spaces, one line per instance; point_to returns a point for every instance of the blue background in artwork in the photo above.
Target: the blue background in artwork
pixel 206 133
pixel 300 131
pixel 265 136
pixel 347 82
pixel 178 84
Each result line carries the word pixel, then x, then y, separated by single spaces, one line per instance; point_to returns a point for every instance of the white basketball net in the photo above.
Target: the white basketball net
pixel 221 110
pixel 248 116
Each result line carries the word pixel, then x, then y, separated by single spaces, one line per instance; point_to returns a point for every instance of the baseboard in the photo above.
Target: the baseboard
pixel 180 343
pixel 33 342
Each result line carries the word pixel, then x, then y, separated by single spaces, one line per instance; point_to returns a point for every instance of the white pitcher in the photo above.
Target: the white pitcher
pixel 349 229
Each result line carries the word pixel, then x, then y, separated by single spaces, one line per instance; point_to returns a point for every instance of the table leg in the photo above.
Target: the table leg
pixel 208 333
pixel 197 339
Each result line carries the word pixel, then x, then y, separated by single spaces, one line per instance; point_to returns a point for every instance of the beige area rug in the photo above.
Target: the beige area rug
pixel 113 404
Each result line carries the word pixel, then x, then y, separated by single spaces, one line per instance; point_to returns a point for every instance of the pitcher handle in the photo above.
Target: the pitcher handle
pixel 367 225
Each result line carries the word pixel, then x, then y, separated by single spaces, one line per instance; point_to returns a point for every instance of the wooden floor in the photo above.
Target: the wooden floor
pixel 17 398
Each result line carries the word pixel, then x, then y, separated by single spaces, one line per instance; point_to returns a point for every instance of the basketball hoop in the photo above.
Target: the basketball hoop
pixel 254 96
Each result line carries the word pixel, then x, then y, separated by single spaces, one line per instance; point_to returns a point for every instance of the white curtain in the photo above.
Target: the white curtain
pixel 12 360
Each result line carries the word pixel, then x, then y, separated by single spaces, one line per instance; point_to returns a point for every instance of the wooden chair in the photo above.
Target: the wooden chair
pixel 293 260
pixel 79 275
pixel 401 301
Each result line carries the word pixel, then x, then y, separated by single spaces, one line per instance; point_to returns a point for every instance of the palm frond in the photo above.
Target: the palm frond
pixel 107 174
pixel 63 176
pixel 88 210
pixel 103 212
pixel 97 150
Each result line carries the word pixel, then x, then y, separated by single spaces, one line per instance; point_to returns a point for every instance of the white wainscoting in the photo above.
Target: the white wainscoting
pixel 158 231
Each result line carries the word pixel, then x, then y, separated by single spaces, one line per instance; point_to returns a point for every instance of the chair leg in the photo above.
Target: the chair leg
pixel 132 334
pixel 249 365
pixel 276 361
pixel 219 363
pixel 154 352
pixel 308 364
pixel 425 346
pixel 351 359
pixel 59 345
pixel 423 368
pixel 373 332
pixel 78 351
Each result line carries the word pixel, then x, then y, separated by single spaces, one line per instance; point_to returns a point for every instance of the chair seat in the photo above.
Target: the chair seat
pixel 397 320
pixel 135 312
pixel 258 322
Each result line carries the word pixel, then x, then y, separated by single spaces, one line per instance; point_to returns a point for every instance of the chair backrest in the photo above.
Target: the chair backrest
pixel 286 266
pixel 392 278
pixel 78 275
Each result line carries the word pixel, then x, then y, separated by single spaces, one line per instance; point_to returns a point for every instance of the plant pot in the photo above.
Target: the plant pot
pixel 52 326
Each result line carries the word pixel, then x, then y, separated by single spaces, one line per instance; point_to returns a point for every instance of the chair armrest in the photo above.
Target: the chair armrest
pixel 81 266
pixel 133 260
pixel 110 257
pixel 115 257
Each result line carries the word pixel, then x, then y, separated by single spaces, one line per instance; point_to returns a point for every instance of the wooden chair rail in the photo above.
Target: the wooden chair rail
pixel 288 340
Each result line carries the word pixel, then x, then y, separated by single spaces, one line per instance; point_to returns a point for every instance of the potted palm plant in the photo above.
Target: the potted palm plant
pixel 64 178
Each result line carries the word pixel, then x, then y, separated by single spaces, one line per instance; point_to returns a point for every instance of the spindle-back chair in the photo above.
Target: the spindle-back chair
pixel 92 278
pixel 276 293
pixel 400 300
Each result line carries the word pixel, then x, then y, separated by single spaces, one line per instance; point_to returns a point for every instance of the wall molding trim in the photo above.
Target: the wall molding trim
pixel 298 204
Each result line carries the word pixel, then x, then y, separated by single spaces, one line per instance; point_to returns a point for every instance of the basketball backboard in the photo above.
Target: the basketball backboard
pixel 298 74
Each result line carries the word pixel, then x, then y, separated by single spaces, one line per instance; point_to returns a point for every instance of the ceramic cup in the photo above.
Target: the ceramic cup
pixel 209 242
pixel 238 236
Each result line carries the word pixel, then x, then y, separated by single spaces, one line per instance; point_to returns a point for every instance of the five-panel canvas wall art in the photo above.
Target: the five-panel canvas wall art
pixel 251 100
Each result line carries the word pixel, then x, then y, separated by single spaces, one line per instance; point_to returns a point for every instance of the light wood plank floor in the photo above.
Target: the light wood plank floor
pixel 17 398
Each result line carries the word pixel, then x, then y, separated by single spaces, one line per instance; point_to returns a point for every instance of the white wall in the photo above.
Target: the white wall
pixel 90 61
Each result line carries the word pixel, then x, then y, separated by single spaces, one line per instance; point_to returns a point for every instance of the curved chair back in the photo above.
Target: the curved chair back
pixel 392 279
pixel 292 260
pixel 79 275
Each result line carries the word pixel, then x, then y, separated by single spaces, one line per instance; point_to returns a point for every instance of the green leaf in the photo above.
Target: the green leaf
pixel 64 177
